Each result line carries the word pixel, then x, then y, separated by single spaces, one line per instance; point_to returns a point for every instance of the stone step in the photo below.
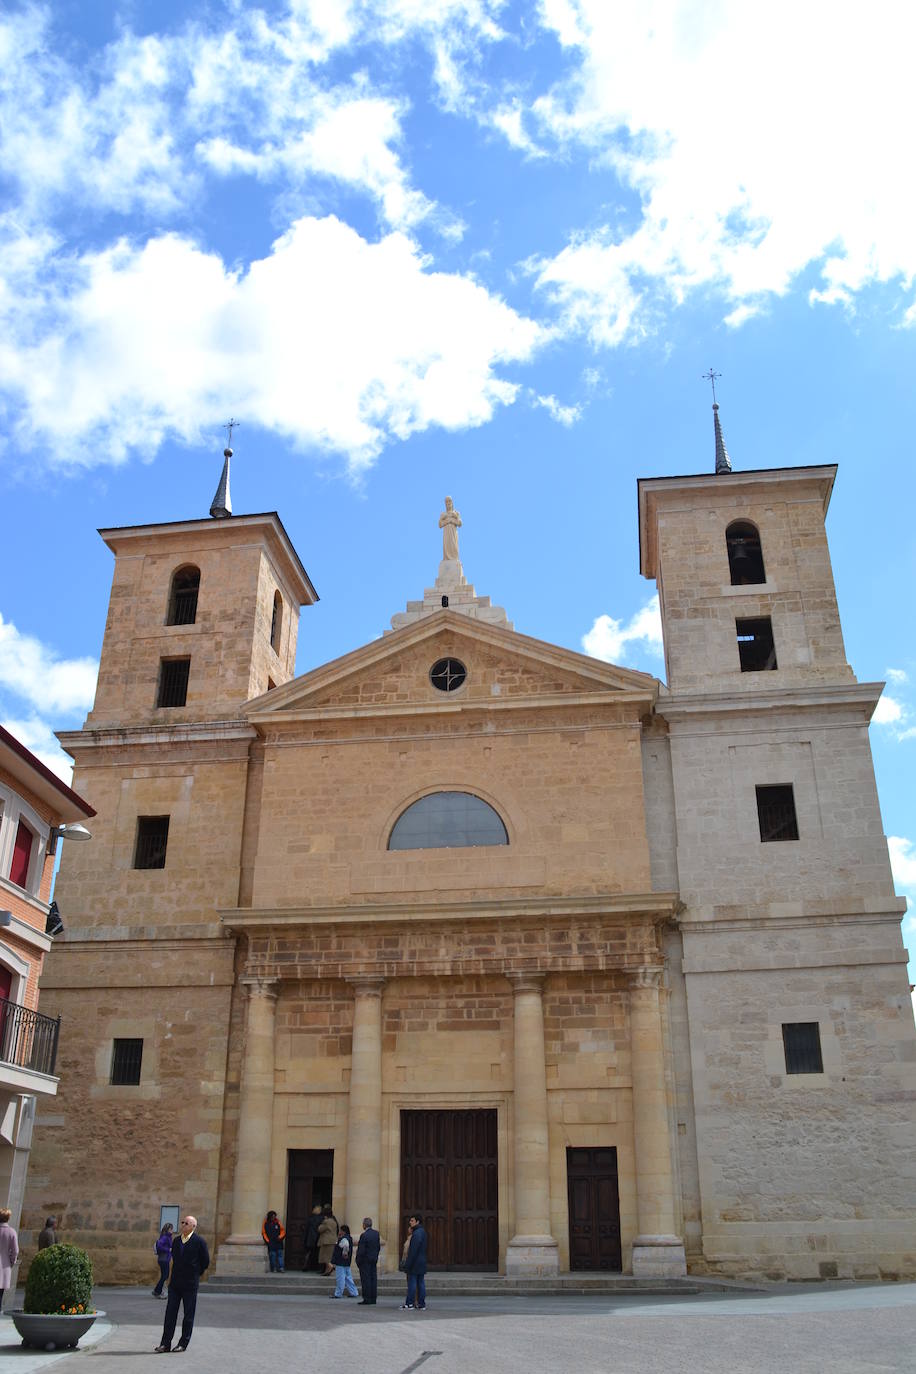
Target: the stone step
pixel 480 1285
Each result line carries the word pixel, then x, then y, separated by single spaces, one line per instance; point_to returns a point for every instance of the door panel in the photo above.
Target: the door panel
pixel 311 1180
pixel 594 1209
pixel 449 1175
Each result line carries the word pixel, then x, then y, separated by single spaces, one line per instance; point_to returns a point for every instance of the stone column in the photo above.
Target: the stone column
pixel 657 1251
pixel 364 1121
pixel 532 1250
pixel 244 1251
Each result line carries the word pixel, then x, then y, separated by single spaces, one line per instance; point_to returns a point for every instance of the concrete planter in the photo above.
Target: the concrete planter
pixel 52 1330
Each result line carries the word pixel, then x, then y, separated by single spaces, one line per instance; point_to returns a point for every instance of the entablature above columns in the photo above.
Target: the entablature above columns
pixel 515 943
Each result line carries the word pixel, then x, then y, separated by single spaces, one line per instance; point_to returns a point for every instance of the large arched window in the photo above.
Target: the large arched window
pixel 447 820
pixel 276 623
pixel 745 556
pixel 183 596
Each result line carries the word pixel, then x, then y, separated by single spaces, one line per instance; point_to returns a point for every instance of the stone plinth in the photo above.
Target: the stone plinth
pixel 532 1257
pixel 237 1259
pixel 452 585
pixel 659 1257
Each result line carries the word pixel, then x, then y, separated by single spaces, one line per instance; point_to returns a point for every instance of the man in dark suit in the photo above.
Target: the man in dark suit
pixel 367 1263
pixel 190 1259
pixel 416 1267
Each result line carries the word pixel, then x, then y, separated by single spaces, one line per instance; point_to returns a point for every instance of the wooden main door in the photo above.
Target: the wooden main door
pixel 449 1177
pixel 594 1209
pixel 311 1179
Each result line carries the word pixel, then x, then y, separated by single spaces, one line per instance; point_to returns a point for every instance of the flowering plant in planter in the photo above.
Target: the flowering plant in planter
pixel 60 1280
pixel 58 1306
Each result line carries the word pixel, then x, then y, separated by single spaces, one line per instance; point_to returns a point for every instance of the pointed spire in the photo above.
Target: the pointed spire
pixel 221 506
pixel 723 462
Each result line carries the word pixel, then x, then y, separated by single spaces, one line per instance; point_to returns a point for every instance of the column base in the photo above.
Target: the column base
pixel 659 1257
pixel 532 1257
pixel 241 1257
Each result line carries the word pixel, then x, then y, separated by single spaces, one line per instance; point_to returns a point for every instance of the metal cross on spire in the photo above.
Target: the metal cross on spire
pixel 712 377
pixel 236 424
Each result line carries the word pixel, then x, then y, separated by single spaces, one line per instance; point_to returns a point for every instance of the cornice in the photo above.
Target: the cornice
pixel 555 700
pixel 661 907
pixel 820 696
pixel 187 732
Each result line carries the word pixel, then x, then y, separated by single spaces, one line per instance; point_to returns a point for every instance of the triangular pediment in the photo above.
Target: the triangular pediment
pixel 503 668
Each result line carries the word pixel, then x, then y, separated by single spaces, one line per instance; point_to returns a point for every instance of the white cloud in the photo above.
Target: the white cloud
pixel 610 639
pixel 564 415
pixel 330 340
pixel 897 675
pixel 37 735
pixel 888 711
pixel 753 158
pixel 34 673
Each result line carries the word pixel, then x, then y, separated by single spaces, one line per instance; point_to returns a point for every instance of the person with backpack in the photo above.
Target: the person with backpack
pixel 341 1259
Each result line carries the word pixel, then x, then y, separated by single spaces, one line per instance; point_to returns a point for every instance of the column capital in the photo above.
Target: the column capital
pixel 642 978
pixel 268 988
pixel 526 982
pixel 366 985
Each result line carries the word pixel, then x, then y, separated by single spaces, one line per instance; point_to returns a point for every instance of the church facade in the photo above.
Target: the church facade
pixel 596 972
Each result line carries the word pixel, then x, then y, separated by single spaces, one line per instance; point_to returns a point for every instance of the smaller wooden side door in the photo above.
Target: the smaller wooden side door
pixel 311 1180
pixel 594 1209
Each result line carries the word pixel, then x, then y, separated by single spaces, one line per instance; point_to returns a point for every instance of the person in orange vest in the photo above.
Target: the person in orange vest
pixel 274 1234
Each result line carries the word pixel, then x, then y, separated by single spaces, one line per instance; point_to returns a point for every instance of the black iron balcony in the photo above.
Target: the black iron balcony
pixel 28 1039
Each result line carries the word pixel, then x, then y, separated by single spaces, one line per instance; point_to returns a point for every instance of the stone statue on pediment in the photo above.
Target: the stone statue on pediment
pixel 449 524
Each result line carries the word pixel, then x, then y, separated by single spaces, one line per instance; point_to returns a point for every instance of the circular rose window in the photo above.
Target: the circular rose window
pixel 447 674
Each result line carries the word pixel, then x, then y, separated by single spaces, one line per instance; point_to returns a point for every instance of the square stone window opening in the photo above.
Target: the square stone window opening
pixel 776 812
pixel 152 841
pixel 756 649
pixel 173 681
pixel 802 1044
pixel 126 1061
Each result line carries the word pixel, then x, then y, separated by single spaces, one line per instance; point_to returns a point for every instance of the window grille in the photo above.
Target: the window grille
pixel 802 1043
pixel 126 1059
pixel 173 681
pixel 152 841
pixel 183 598
pixel 776 813
pixel 447 674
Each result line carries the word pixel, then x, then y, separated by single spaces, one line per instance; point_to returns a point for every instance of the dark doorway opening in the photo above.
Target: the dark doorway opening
pixel 449 1176
pixel 311 1179
pixel 594 1209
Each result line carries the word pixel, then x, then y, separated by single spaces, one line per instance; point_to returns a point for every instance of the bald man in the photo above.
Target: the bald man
pixel 190 1259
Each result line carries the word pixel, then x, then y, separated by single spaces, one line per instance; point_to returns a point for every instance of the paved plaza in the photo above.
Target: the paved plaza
pixel 792 1330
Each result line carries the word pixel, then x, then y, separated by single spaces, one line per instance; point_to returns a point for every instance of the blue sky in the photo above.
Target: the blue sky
pixel 430 246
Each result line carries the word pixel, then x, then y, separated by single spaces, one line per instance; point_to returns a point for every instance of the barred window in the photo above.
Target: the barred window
pixel 776 813
pixel 183 596
pixel 152 841
pixel 276 623
pixel 126 1059
pixel 173 681
pixel 802 1043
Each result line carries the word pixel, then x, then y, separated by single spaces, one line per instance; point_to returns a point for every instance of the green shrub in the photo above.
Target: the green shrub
pixel 60 1280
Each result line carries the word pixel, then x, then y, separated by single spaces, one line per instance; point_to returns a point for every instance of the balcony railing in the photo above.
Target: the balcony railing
pixel 28 1039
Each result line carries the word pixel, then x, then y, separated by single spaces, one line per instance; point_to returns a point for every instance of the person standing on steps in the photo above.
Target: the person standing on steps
pixel 416 1267
pixel 163 1250
pixel 273 1233
pixel 341 1259
pixel 327 1239
pixel 310 1239
pixel 367 1252
pixel 190 1261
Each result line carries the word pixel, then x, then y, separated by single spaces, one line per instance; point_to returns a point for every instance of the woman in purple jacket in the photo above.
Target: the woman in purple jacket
pixel 164 1256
